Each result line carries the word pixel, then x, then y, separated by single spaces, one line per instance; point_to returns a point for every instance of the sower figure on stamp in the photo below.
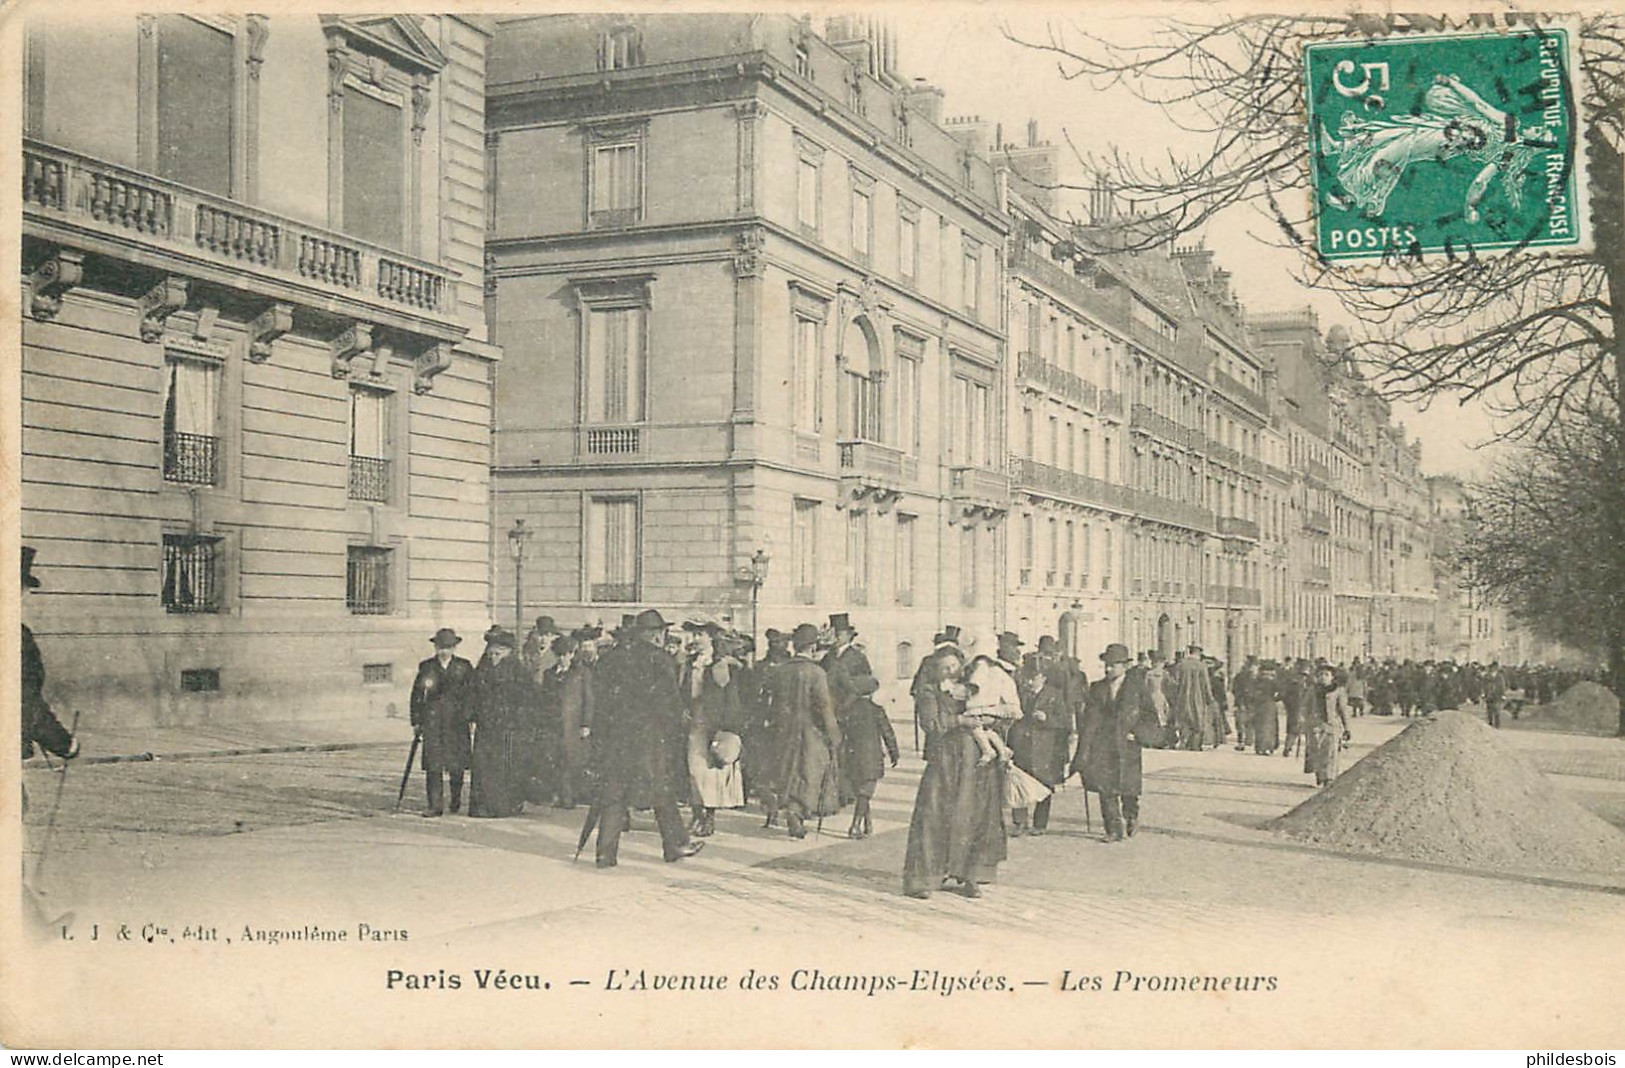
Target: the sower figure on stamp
pixel 439 715
pixel 638 739
pixel 1120 717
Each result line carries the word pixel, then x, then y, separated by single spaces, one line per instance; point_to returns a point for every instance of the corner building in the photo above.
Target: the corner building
pixel 255 379
pixel 749 292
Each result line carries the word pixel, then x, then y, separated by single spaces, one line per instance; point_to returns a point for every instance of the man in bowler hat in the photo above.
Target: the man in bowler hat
pixel 1119 717
pixel 439 713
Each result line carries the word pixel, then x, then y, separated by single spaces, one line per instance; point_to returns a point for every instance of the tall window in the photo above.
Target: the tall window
pixel 621 47
pixel 612 549
pixel 369 444
pixel 1054 441
pixel 967 565
pixel 1054 560
pixel 191 409
pixel 1106 459
pixel 616 359
pixel 190 581
pixel 1106 562
pixel 1086 565
pixel 908 404
pixel 972 278
pixel 908 244
pixel 808 362
pixel 1026 573
pixel 863 220
pixel 861 405
pixel 1070 560
pixel 196 84
pixel 1027 442
pixel 857 557
pixel 807 198
pixel 367 580
pixel 617 183
pixel 804 550
pixel 374 169
pixel 973 419
pixel 904 563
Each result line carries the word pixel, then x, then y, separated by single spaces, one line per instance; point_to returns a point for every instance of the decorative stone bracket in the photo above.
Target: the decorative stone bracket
pixel 968 513
pixel 60 272
pixel 859 493
pixel 430 362
pixel 348 345
pixel 267 326
pixel 747 259
pixel 159 303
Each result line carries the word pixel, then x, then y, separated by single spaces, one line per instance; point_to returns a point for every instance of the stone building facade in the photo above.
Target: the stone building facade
pixel 256 384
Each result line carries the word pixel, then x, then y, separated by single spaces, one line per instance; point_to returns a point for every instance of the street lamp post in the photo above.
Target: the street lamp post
pixel 516 545
pixel 758 576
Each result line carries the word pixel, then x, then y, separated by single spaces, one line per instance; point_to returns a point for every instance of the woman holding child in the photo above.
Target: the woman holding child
pixel 956 838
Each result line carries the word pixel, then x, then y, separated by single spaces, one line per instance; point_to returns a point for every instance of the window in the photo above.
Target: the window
pixel 972 278
pixel 803 60
pixel 1054 441
pixel 807 198
pixel 620 47
pixel 196 85
pixel 200 680
pixel 857 557
pixel 905 660
pixel 1071 557
pixel 967 565
pixel 1106 458
pixel 908 404
pixel 973 416
pixel 861 406
pixel 1106 562
pixel 374 168
pixel 804 550
pixel 806 373
pixel 612 549
pixel 908 243
pixel 863 221
pixel 190 581
pixel 617 183
pixel 369 444
pixel 1087 564
pixel 1025 576
pixel 904 562
pixel 616 356
pixel 1054 560
pixel 1071 447
pixel 191 436
pixel 366 580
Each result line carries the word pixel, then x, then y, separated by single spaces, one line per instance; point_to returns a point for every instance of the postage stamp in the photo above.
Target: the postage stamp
pixel 1446 145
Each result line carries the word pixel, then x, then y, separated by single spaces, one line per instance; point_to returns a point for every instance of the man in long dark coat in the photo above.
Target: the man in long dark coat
pixel 439 715
pixel 846 663
pixel 1119 717
pixel 1048 718
pixel 638 739
pixel 504 708
pixel 809 737
pixel 1193 701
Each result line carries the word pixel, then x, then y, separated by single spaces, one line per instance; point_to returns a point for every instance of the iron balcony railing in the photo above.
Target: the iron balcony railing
pixel 369 478
pixel 191 458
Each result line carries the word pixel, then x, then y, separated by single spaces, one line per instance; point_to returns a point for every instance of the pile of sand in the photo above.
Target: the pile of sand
pixel 1585 706
pixel 1449 790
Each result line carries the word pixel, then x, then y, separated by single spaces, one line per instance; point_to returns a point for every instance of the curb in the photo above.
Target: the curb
pixel 205 754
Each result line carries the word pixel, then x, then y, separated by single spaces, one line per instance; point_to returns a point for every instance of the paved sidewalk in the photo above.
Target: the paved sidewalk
pixel 121 744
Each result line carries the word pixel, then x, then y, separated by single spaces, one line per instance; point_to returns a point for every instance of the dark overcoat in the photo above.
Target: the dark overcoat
pixel 1047 719
pixel 439 706
pixel 638 735
pixel 808 735
pixel 503 705
pixel 1113 730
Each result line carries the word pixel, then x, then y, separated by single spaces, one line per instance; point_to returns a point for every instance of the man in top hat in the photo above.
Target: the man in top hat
pixel 40 727
pixel 846 664
pixel 1119 717
pixel 439 714
pixel 1048 719
pixel 803 713
pixel 638 739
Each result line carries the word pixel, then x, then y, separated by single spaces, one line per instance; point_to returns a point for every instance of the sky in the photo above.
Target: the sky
pixel 960 49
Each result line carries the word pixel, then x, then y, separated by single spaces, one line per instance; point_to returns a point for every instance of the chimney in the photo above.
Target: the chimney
pixel 1032 133
pixel 971 132
pixel 926 100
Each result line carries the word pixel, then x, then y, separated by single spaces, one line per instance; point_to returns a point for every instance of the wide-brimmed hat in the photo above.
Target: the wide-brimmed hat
pixel 650 619
pixel 804 634
pixel 545 625
pixel 1116 653
pixel 948 635
pixel 29 579
pixel 445 638
pixel 1047 643
pixel 500 636
pixel 1010 637
pixel 840 621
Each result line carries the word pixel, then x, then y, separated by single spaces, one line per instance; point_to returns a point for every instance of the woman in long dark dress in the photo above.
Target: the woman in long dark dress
pixel 956 838
pixel 503 706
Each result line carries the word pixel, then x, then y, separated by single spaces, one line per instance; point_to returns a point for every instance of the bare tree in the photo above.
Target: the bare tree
pixel 1546 538
pixel 1537 337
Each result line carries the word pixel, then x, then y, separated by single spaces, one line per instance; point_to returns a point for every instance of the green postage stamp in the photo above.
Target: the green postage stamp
pixel 1448 144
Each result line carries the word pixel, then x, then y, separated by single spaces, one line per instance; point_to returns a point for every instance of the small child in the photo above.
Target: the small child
pixel 992 700
pixel 989 744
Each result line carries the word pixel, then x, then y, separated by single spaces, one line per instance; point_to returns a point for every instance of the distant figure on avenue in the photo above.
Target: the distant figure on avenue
pixel 1049 707
pixel 1328 724
pixel 869 743
pixel 567 706
pixel 638 739
pixel 439 714
pixel 503 707
pixel 809 738
pixel 956 837
pixel 1194 703
pixel 1118 719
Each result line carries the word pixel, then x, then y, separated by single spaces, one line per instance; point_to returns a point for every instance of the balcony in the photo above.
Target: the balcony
pixel 1030 474
pixel 1233 388
pixel 191 459
pixel 1279 474
pixel 1243 597
pixel 1142 417
pixel 1319 522
pixel 1234 527
pixel 369 478
pixel 1318 574
pixel 1219 452
pixel 1174 513
pixel 1111 402
pixel 980 493
pixel 871 471
pixel 1035 370
pixel 1315 469
pixel 106 209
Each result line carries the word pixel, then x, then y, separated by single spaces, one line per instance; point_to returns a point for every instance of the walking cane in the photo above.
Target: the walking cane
pixel 56 805
pixel 417 739
pixel 1088 821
